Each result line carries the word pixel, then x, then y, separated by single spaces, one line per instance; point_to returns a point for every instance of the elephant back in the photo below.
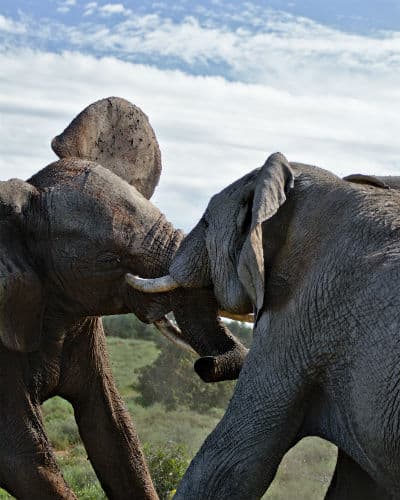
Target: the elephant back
pixel 117 135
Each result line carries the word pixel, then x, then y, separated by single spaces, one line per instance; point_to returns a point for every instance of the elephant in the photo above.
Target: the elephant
pixel 69 236
pixel 317 258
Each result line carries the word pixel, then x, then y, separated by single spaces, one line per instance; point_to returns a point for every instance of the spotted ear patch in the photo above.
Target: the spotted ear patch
pixel 117 135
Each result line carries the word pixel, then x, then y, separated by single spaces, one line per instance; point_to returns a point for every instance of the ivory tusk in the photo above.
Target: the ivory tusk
pixel 155 285
pixel 172 333
pixel 248 318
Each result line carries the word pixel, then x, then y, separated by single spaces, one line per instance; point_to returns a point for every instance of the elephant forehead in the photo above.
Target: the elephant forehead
pixel 82 183
pixel 95 204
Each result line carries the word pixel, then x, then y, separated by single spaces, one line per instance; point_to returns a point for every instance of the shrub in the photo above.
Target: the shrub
pixel 171 380
pixel 128 326
pixel 60 423
pixel 167 466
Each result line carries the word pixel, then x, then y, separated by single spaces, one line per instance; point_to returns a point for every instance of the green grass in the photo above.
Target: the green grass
pixel 305 471
pixel 126 357
pixel 303 475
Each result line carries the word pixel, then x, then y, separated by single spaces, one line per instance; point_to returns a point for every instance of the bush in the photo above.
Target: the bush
pixel 167 466
pixel 80 475
pixel 60 423
pixel 171 380
pixel 128 326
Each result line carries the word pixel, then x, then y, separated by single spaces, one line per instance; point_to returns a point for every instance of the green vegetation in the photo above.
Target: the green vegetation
pixel 151 380
pixel 167 465
pixel 177 387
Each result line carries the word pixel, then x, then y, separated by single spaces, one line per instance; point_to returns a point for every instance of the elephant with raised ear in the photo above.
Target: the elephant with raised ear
pixel 318 257
pixel 69 235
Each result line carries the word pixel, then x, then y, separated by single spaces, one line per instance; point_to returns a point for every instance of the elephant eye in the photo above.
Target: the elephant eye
pixel 109 259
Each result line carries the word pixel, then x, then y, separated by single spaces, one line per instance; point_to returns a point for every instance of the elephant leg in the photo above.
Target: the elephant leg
pixel 27 464
pixel 241 456
pixel 106 429
pixel 351 482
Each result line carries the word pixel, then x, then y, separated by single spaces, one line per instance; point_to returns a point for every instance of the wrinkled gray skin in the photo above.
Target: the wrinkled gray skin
pixel 349 480
pixel 68 236
pixel 319 257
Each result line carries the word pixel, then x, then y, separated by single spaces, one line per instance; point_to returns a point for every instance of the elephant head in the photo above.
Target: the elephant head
pixel 76 228
pixel 225 249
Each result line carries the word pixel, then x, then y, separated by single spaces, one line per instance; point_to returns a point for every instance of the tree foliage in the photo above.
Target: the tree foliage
pixel 128 326
pixel 171 380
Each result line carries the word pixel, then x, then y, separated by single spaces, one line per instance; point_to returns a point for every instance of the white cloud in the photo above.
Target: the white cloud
pixel 8 25
pixel 211 131
pixel 113 8
pixel 272 48
pixel 65 6
pixel 90 8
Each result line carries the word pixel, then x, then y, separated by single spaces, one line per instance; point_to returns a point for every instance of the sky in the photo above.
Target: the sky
pixel 224 84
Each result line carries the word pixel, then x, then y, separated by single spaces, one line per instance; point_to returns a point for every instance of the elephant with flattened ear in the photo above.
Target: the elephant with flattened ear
pixel 318 257
pixel 68 237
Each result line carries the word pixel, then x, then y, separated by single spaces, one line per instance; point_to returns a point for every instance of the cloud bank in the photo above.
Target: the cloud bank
pixel 318 95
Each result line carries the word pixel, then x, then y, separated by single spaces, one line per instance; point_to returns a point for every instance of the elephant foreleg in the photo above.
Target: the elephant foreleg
pixel 240 458
pixel 107 431
pixel 27 464
pixel 351 482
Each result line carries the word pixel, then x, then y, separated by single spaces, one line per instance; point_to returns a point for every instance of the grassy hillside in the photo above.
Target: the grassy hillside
pixel 303 475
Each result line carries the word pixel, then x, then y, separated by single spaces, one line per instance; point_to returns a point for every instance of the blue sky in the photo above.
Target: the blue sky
pixel 223 83
pixel 351 15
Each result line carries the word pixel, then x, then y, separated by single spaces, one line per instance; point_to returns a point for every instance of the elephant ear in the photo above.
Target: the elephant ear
pixel 117 135
pixel 372 180
pixel 21 293
pixel 273 182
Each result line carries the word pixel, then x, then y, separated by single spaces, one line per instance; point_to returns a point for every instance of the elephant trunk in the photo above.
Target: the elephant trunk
pixel 159 247
pixel 195 309
pixel 226 366
pixel 222 355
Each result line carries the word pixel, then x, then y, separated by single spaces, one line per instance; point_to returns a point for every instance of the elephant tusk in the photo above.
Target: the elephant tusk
pixel 172 333
pixel 155 285
pixel 248 318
